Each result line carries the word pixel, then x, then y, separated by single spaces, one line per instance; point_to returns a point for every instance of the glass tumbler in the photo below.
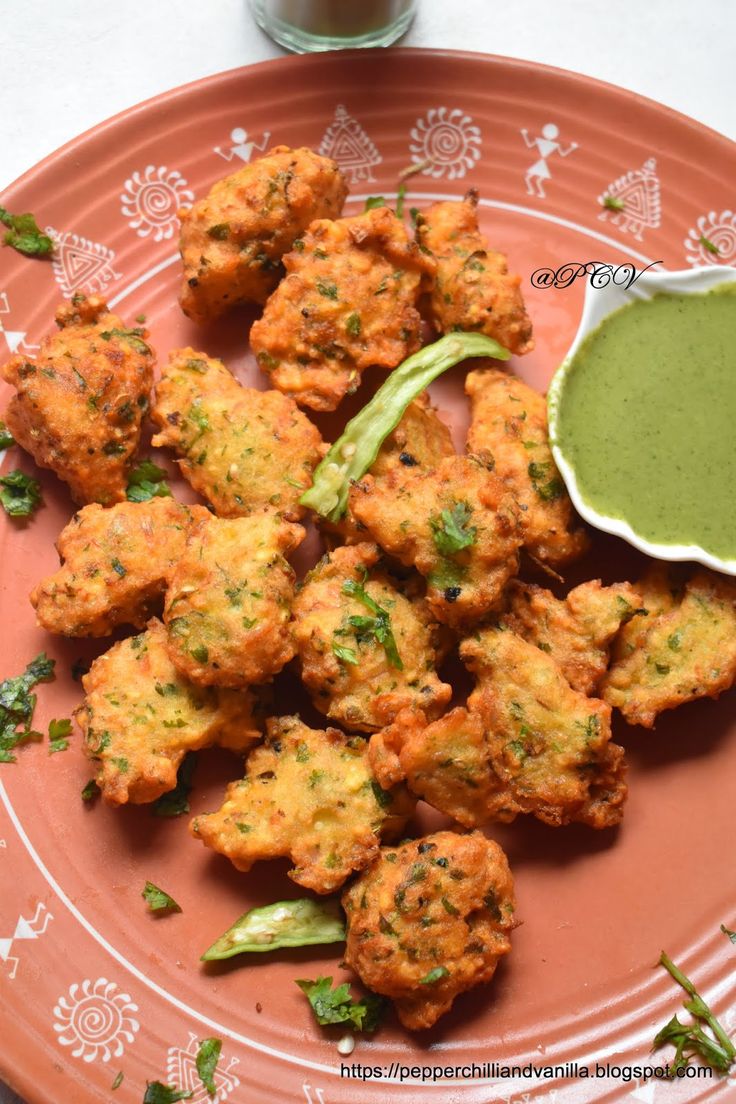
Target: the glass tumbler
pixel 309 25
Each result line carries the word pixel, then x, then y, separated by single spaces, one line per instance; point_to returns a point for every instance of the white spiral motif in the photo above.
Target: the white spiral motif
pixel 152 198
pixel 95 1019
pixel 713 239
pixel 445 143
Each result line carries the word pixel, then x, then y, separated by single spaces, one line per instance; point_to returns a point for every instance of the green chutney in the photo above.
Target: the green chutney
pixel 646 417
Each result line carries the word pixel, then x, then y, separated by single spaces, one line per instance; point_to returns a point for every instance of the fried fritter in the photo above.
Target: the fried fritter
pixel 429 920
pixel 348 302
pixel 229 598
pixel 241 449
pixel 308 795
pixel 683 649
pixel 366 650
pixel 232 241
pixel 510 427
pixel 457 525
pixel 420 440
pixel 548 745
pixel 576 632
pixel 472 289
pixel 114 566
pixel 80 403
pixel 139 718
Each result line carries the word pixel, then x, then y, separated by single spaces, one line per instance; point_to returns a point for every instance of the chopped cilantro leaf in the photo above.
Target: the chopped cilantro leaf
pixel 133 337
pixel 548 486
pixel 147 481
pixel 207 1058
pixel 176 802
pixel 352 325
pixel 118 568
pixel 347 655
pixel 17 704
pixel 332 1006
pixel 434 976
pixel 157 900
pixel 327 288
pixel 6 440
pixel 451 532
pixel 727 931
pixel 708 244
pixel 400 195
pixel 24 235
pixel 378 626
pixel 59 731
pixel 91 791
pixel 220 231
pixel 613 203
pixel 374 201
pixel 20 495
pixel 156 1093
pixel 201 653
pixel 118 1080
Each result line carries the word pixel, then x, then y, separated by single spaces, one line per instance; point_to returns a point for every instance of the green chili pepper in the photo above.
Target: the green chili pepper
pixel 300 923
pixel 353 453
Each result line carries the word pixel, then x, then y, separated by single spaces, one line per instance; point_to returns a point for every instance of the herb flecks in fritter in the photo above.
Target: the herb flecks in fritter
pixel 457 525
pixel 429 920
pixel 240 448
pixel 228 604
pixel 366 649
pixel 509 427
pixel 115 563
pixel 472 289
pixel 79 404
pixel 233 239
pixel 139 718
pixel 309 795
pixel 348 303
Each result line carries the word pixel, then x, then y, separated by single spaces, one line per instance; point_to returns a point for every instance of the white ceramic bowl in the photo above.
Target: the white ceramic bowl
pixel 599 303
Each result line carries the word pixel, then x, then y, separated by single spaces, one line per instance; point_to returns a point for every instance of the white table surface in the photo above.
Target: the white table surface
pixel 68 64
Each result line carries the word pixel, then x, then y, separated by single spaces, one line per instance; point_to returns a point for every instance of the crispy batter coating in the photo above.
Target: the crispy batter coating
pixel 348 302
pixel 457 525
pixel 683 649
pixel 139 718
pixel 240 448
pixel 576 632
pixel 510 426
pixel 429 920
pixel 420 440
pixel 309 795
pixel 548 745
pixel 362 666
pixel 233 239
pixel 80 403
pixel 228 604
pixel 472 289
pixel 114 566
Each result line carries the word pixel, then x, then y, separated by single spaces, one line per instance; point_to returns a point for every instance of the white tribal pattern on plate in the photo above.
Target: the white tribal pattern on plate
pixel 151 199
pixel 96 1019
pixel 445 143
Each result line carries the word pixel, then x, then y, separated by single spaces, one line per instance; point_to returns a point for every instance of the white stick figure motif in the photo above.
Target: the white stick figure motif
pixel 241 147
pixel 546 145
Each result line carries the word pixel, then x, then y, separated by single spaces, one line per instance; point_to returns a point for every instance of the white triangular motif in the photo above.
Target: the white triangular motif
pixel 81 264
pixel 639 192
pixel 14 340
pixel 346 142
pixel 5 945
pixel 23 929
pixel 644 1093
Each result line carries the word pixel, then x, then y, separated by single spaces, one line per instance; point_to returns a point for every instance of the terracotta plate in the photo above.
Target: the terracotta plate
pixel 91 983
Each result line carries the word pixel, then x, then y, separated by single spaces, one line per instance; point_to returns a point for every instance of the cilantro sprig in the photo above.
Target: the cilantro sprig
pixel 378 626
pixel 6 438
pixel 59 733
pixel 20 495
pixel 691 1040
pixel 157 1093
pixel 451 531
pixel 176 801
pixel 147 481
pixel 206 1061
pixel 24 234
pixel 17 704
pixel 334 1006
pixel 158 900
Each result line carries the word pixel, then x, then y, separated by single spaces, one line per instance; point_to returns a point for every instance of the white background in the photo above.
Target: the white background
pixel 68 64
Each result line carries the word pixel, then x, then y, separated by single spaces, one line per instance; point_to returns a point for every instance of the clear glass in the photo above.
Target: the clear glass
pixel 310 25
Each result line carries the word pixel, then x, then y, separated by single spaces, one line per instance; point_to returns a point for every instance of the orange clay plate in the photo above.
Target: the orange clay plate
pixel 90 982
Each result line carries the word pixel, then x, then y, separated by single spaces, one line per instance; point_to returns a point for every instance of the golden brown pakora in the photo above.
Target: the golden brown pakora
pixel 79 404
pixel 240 448
pixel 139 718
pixel 576 632
pixel 366 650
pixel 509 426
pixel 233 239
pixel 472 289
pixel 114 566
pixel 228 602
pixel 420 441
pixel 682 649
pixel 429 920
pixel 457 525
pixel 348 303
pixel 308 795
pixel 548 745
